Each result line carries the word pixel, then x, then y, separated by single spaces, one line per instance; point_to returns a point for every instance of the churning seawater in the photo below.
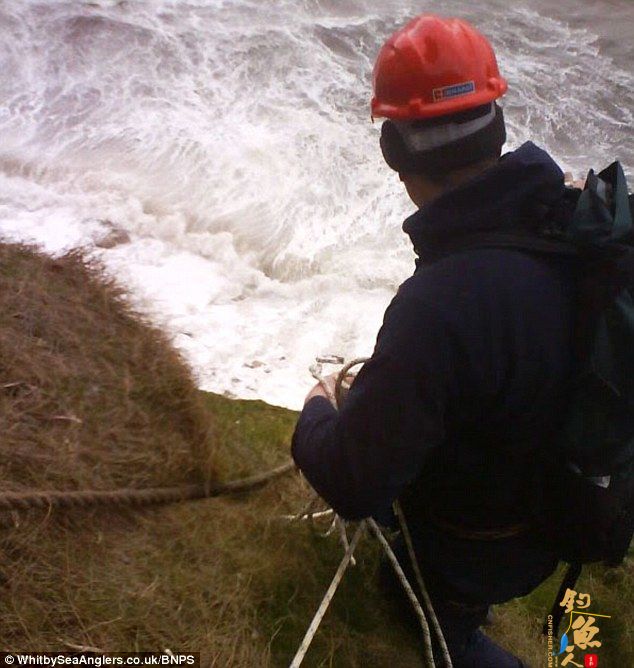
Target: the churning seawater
pixel 230 144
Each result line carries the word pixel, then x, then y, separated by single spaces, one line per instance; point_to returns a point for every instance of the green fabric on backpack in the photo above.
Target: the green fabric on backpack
pixel 593 496
pixel 592 499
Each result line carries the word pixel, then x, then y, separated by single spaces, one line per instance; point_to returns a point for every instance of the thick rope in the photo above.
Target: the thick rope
pixel 131 497
pixel 137 497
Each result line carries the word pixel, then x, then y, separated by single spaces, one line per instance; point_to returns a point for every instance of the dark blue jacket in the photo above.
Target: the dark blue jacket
pixel 460 399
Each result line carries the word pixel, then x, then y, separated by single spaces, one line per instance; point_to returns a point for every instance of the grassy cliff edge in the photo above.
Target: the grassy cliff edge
pixel 92 396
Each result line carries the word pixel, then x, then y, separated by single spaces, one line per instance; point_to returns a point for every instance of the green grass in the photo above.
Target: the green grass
pixel 294 574
pixel 359 628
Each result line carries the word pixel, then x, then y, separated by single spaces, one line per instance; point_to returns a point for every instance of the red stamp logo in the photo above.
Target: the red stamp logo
pixel 591 661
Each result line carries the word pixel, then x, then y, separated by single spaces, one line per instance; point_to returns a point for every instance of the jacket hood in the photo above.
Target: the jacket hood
pixel 503 198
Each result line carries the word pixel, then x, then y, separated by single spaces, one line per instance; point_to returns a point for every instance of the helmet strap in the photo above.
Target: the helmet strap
pixel 442 145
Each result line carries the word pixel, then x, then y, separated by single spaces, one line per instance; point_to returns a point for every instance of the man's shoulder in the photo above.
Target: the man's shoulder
pixel 481 273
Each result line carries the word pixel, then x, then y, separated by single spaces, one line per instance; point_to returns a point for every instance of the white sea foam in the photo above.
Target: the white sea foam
pixel 231 141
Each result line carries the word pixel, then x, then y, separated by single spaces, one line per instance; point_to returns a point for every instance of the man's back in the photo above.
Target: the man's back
pixel 509 315
pixel 457 405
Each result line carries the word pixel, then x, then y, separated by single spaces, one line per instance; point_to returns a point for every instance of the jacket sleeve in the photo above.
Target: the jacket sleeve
pixel 362 458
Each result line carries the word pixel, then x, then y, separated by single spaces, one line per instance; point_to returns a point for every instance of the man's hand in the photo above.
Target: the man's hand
pixel 330 381
pixel 319 391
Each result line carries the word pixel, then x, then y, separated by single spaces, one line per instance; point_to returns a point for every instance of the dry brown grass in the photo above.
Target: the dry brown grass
pixel 90 395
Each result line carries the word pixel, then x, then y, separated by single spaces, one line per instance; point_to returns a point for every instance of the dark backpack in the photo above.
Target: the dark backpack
pixel 590 491
pixel 590 497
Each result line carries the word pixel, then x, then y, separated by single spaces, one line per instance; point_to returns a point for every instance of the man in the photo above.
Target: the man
pixel 454 412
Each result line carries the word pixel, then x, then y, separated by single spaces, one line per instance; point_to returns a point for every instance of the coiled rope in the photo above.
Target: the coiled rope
pixel 336 398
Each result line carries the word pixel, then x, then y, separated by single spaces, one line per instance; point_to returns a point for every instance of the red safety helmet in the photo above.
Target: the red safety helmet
pixel 433 67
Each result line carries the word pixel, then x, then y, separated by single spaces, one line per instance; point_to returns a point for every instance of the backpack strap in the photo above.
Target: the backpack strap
pixel 557 611
pixel 532 243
